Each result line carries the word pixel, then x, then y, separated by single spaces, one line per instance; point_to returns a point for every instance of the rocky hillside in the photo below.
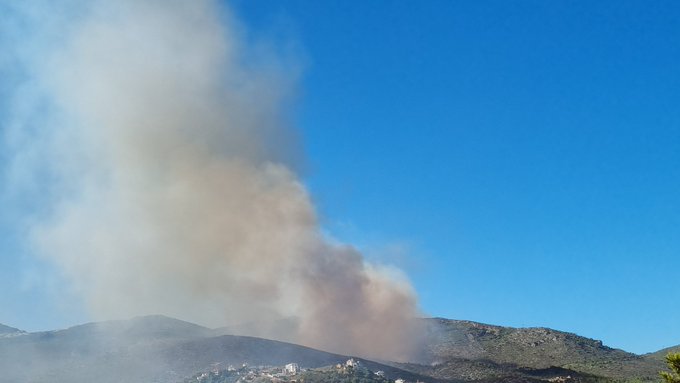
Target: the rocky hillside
pixel 469 350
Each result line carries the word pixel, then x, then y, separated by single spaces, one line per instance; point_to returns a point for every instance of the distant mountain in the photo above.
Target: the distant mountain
pixel 8 330
pixel 146 349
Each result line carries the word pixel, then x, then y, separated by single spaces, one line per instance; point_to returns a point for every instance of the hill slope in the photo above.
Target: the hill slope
pixel 146 349
pixel 661 354
pixel 161 349
pixel 453 346
pixel 658 359
pixel 6 330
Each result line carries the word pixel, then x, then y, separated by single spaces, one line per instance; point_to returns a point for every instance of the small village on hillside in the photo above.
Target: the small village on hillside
pixel 350 371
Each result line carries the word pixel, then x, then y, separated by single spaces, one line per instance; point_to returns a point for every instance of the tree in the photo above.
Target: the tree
pixel 673 361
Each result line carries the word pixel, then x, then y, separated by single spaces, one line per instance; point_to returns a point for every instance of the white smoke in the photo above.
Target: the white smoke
pixel 169 145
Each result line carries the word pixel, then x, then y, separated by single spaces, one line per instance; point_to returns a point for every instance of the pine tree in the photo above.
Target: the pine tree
pixel 673 360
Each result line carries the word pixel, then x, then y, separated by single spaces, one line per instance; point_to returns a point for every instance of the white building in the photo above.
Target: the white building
pixel 291 368
pixel 352 363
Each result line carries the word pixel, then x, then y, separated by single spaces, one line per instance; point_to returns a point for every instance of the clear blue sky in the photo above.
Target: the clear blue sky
pixel 520 160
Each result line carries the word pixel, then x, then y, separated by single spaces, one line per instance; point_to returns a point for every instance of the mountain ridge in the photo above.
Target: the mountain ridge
pixel 450 342
pixel 6 331
pixel 163 349
pixel 148 349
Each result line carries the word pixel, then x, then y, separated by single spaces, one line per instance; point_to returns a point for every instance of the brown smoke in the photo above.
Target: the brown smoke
pixel 177 195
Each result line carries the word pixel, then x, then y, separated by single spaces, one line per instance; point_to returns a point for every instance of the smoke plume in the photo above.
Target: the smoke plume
pixel 171 167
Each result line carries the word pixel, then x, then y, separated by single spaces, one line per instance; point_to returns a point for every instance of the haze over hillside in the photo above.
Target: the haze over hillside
pixel 144 349
pixel 6 330
pixel 166 350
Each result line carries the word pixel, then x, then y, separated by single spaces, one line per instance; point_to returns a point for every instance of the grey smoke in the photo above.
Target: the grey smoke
pixel 172 168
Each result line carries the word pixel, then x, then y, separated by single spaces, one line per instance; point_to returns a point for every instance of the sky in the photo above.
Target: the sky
pixel 518 160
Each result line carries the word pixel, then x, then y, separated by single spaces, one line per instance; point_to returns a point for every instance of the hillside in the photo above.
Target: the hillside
pixel 146 349
pixel 658 359
pixel 661 354
pixel 465 350
pixel 6 330
pixel 455 349
pixel 165 350
pixel 357 372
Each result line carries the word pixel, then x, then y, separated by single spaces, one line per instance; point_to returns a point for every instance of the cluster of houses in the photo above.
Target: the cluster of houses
pixel 246 374
pixel 353 364
pixel 348 365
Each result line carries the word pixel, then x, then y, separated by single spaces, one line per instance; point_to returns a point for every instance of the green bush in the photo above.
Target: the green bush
pixel 673 360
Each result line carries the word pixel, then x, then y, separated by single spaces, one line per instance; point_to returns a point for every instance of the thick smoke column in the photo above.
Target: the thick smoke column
pixel 168 139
